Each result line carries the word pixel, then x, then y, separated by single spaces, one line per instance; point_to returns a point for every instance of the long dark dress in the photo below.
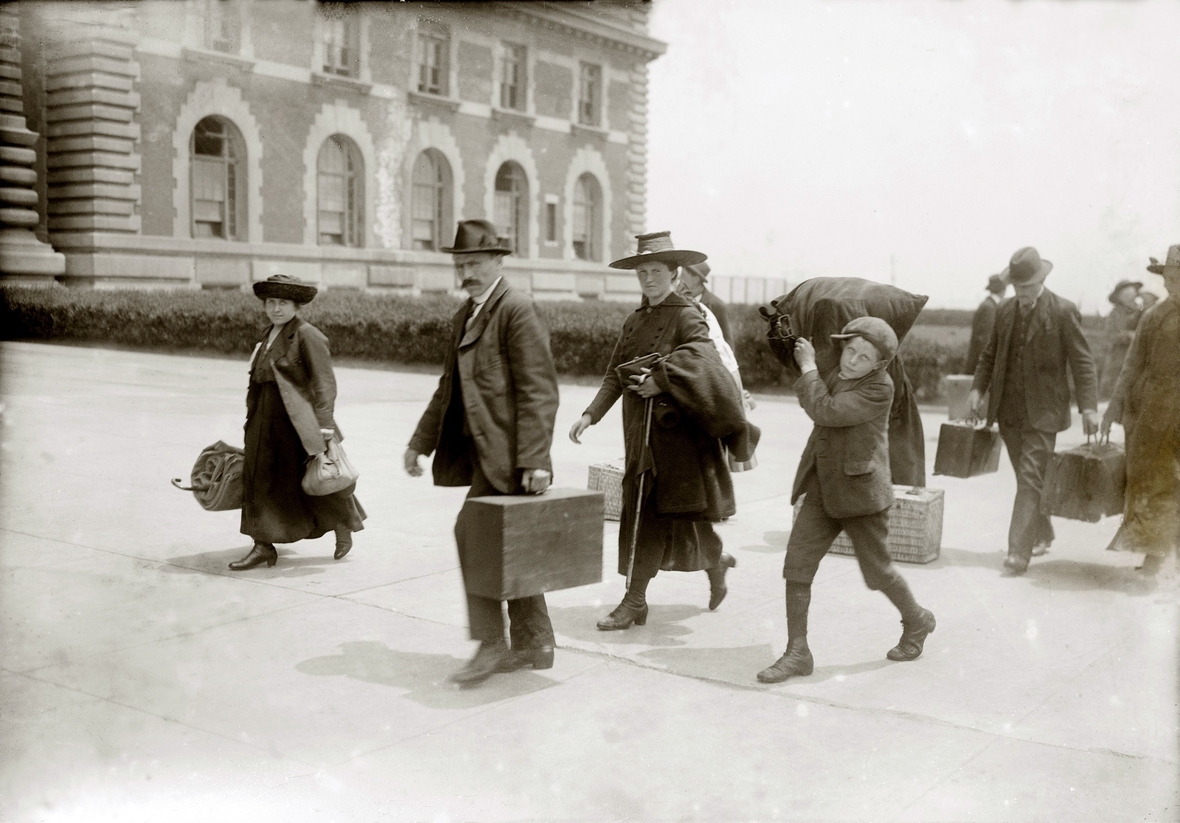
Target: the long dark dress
pixel 1147 402
pixel 275 508
pixel 690 487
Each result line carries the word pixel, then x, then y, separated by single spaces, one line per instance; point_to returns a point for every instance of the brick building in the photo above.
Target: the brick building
pixel 209 143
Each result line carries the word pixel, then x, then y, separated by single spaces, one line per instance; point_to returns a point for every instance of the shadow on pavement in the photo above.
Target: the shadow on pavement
pixel 775 542
pixel 424 676
pixel 732 664
pixel 289 564
pixel 961 558
pixel 662 629
pixel 1073 576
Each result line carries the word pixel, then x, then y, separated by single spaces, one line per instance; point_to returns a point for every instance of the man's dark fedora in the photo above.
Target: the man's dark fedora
pixel 1026 267
pixel 997 283
pixel 477 235
pixel 701 270
pixel 1122 284
pixel 285 287
pixel 657 248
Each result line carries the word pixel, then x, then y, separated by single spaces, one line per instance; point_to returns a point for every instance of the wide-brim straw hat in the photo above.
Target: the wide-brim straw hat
pixel 477 235
pixel 1026 267
pixel 657 248
pixel 1122 284
pixel 285 287
pixel 1172 261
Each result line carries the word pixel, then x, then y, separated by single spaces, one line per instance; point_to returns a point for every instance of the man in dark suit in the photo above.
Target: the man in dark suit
pixel 490 426
pixel 1023 369
pixel 693 278
pixel 984 320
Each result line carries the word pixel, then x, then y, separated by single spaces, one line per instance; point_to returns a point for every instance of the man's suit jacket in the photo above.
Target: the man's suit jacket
pixel 509 391
pixel 982 324
pixel 720 311
pixel 849 446
pixel 1052 341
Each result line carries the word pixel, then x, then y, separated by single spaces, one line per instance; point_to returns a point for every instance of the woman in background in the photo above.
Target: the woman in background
pixel 289 416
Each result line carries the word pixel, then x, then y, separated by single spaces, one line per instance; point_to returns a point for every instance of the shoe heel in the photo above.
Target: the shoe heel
pixel 641 617
pixel 270 561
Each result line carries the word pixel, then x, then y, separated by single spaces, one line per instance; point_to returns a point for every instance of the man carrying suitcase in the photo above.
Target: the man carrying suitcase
pixel 1023 370
pixel 492 433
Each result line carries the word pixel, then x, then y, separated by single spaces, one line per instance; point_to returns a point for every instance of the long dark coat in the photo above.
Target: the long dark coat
pixel 275 508
pixel 982 323
pixel 1147 402
pixel 1053 342
pixel 1120 331
pixel 688 486
pixel 503 371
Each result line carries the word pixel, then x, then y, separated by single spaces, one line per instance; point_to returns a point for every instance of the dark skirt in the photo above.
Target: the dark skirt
pixel 275 508
pixel 664 543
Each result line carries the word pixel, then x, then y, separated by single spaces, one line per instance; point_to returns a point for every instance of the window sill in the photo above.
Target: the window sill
pixel 513 117
pixel 340 81
pixel 421 97
pixel 589 131
pixel 192 55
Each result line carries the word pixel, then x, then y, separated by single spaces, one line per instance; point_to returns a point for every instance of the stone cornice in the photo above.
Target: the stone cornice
pixel 582 24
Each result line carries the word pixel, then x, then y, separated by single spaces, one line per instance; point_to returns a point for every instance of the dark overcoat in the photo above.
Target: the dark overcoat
pixel 982 323
pixel 848 449
pixel 687 473
pixel 1120 331
pixel 292 395
pixel 1053 342
pixel 504 373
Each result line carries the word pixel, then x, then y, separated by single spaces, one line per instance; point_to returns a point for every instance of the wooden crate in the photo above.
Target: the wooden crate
pixel 608 478
pixel 534 543
pixel 915 525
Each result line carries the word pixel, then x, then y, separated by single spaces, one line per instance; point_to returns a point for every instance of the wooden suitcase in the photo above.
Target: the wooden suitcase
pixel 915 525
pixel 1086 483
pixel 967 451
pixel 535 543
pixel 608 478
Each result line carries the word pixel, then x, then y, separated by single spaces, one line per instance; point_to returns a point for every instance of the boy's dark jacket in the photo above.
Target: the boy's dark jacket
pixel 849 446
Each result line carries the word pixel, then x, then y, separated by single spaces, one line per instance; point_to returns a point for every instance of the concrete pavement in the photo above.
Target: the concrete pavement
pixel 140 679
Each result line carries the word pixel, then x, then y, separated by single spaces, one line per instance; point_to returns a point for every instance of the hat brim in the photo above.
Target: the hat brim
pixel 673 257
pixel 285 291
pixel 1038 277
pixel 1160 268
pixel 1114 292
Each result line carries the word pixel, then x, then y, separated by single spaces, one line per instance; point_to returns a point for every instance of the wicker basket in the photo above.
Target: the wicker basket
pixel 608 479
pixel 915 525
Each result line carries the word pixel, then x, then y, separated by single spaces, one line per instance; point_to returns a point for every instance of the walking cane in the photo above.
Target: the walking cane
pixel 647 404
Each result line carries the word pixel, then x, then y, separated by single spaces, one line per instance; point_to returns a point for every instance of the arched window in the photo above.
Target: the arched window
pixel 512 206
pixel 218 183
pixel 431 208
pixel 587 218
pixel 340 193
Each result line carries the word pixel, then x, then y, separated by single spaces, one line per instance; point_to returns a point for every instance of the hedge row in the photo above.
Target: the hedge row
pixel 407 330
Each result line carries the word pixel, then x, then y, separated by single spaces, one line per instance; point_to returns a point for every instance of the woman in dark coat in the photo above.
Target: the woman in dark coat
pixel 289 408
pixel 1147 402
pixel 695 405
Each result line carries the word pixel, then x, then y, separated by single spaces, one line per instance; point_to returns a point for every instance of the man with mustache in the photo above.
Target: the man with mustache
pixel 490 426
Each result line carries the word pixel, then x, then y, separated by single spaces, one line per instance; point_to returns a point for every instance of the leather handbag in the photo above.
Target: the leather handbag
pixel 216 479
pixel 329 471
pixel 635 367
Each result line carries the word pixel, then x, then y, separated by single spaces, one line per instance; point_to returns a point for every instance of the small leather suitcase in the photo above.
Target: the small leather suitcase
pixel 967 451
pixel 534 543
pixel 1085 483
pixel 915 526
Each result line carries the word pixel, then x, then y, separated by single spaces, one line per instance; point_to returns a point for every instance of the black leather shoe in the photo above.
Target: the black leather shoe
pixel 717 587
pixel 261 553
pixel 795 662
pixel 1015 565
pixel 343 544
pixel 622 618
pixel 536 657
pixel 913 635
pixel 487 661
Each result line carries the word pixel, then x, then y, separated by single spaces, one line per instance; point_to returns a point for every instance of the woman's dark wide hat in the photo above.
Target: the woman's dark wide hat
pixel 477 235
pixel 657 248
pixel 1122 284
pixel 285 287
pixel 1026 267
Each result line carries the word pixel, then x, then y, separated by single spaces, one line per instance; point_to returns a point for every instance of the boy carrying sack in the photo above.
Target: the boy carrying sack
pixel 844 473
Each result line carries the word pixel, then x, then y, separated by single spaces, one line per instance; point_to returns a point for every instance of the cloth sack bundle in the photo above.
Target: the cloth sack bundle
pixel 216 479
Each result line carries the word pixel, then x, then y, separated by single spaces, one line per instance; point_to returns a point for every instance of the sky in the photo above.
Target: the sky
pixel 919 143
